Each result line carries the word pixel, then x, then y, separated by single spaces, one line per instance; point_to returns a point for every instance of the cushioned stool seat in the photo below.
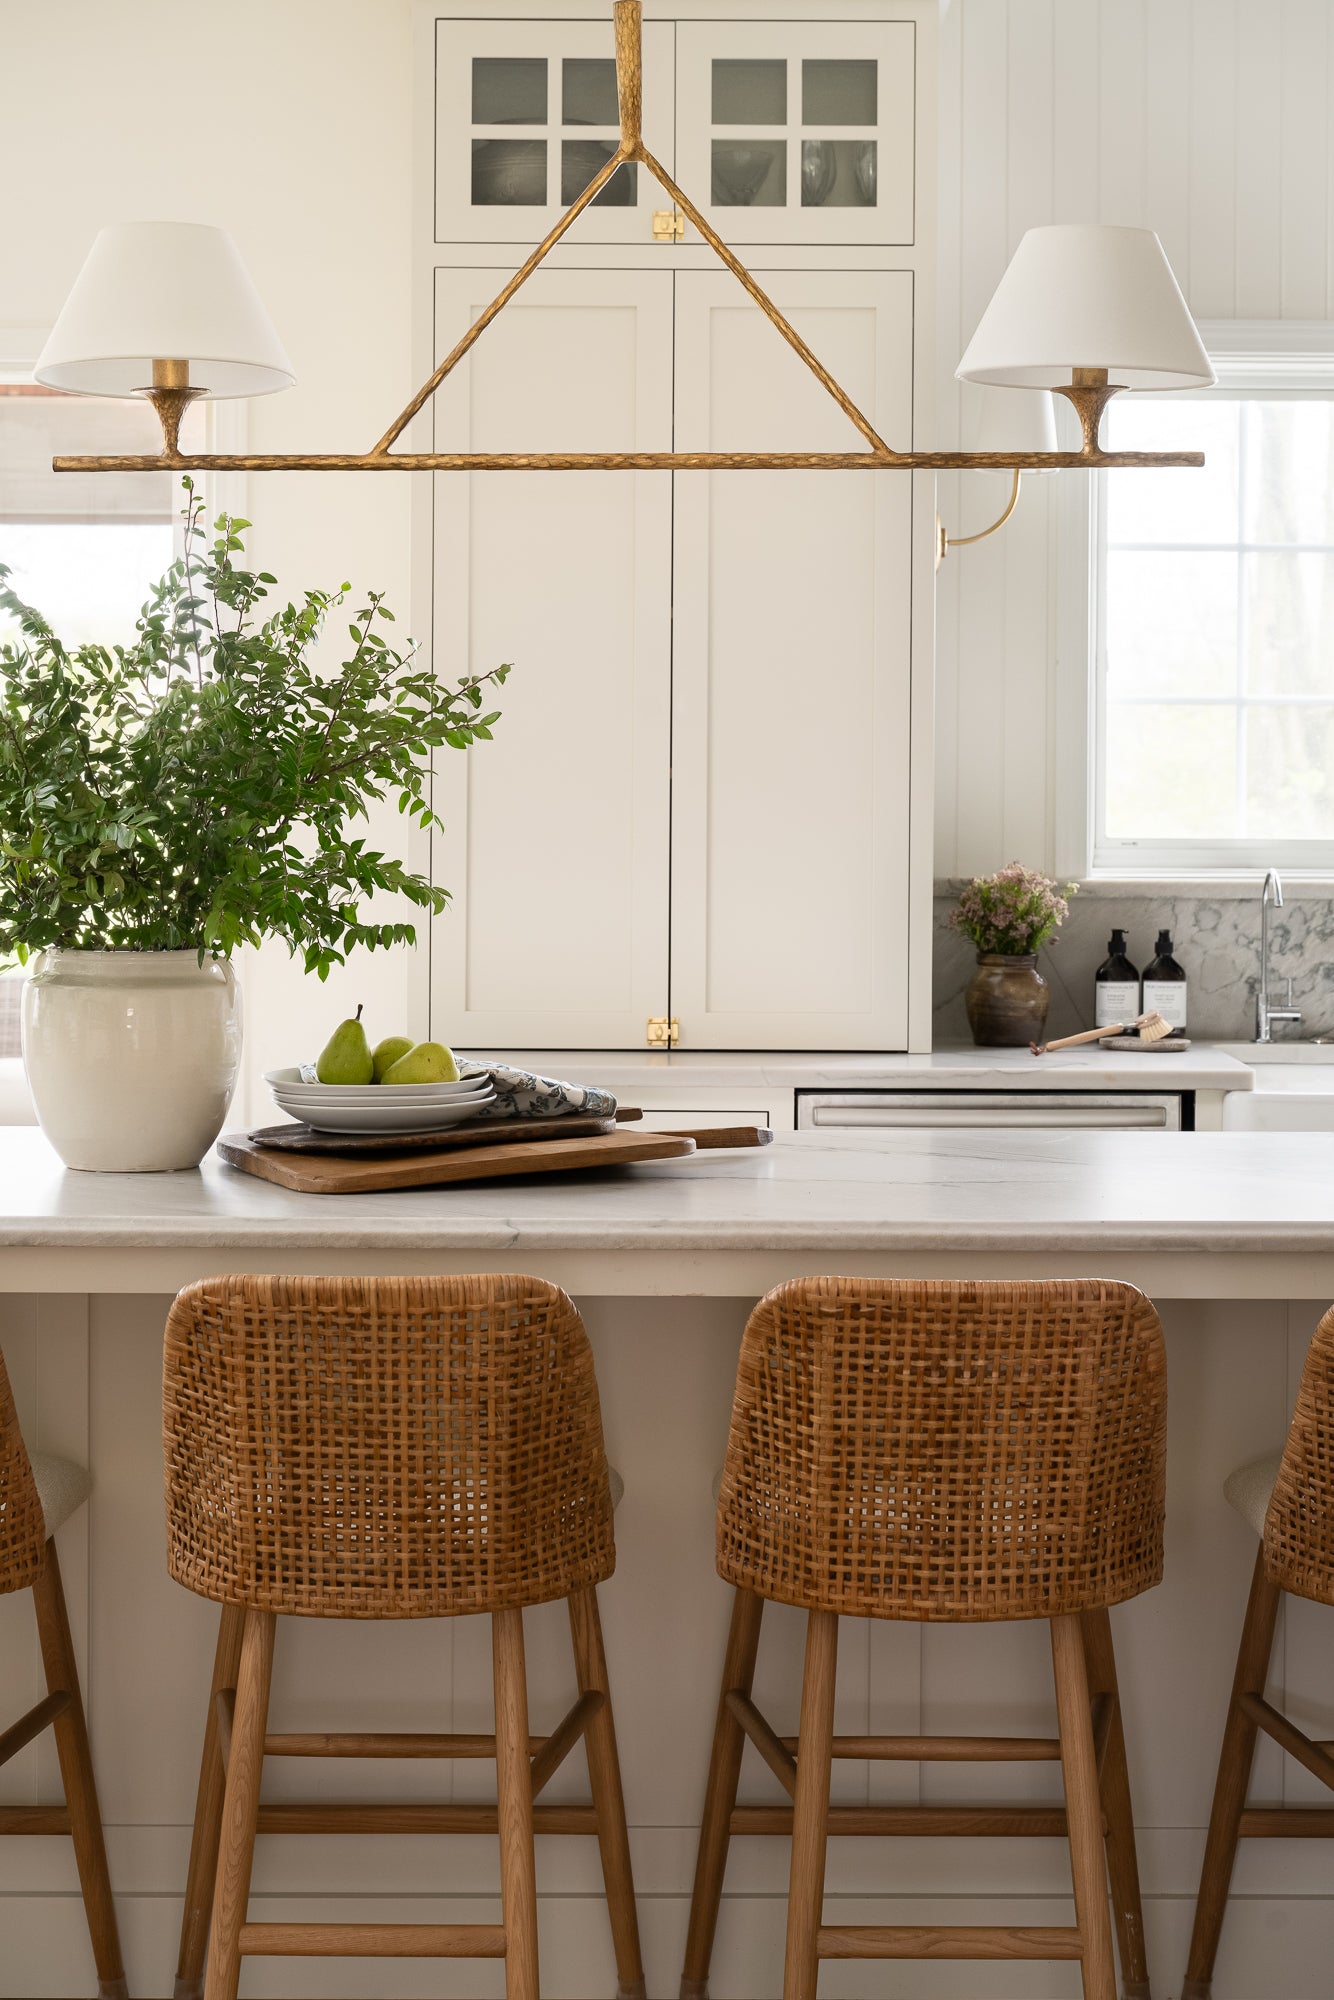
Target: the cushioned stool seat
pixel 1250 1488
pixel 62 1487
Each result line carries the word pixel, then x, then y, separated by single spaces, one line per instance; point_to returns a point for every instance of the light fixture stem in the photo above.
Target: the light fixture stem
pixel 1089 393
pixel 629 17
pixel 171 396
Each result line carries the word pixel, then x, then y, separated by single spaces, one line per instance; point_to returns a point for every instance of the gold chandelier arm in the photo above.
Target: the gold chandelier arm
pixel 767 306
pixel 502 299
pixel 962 541
pixel 629 16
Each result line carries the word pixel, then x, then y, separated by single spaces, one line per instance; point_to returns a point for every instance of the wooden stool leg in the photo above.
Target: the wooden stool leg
pixel 240 1810
pixel 1122 1862
pixel 1083 1808
pixel 76 1774
pixel 604 1772
pixel 1234 1776
pixel 208 1816
pixel 743 1642
pixel 810 1816
pixel 514 1796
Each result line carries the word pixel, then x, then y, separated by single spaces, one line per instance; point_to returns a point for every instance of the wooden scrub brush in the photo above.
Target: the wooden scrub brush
pixel 1150 1028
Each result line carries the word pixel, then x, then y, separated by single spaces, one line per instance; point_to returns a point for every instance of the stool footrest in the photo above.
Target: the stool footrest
pixel 376 1817
pixel 373 1940
pixel 937 1941
pixel 1041 1822
pixel 35 1819
pixel 1287 1823
pixel 941 1749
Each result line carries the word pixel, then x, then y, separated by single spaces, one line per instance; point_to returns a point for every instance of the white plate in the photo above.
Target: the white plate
pixel 384 1118
pixel 292 1081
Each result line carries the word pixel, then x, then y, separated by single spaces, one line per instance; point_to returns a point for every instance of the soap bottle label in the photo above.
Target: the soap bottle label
pixel 1168 998
pixel 1115 1000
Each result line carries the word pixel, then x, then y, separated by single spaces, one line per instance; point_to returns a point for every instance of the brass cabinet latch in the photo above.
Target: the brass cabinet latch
pixel 669 225
pixel 660 1033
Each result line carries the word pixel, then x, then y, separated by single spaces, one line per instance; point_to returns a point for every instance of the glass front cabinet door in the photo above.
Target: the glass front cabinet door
pixel 525 117
pixel 798 132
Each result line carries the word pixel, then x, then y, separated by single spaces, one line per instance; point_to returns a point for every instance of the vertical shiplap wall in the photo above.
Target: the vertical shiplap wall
pixel 1207 120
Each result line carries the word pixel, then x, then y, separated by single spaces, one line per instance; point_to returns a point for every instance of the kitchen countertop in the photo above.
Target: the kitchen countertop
pixel 1238 1212
pixel 1202 1067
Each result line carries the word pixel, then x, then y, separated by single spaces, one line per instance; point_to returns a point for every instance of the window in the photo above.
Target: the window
pixel 1214 732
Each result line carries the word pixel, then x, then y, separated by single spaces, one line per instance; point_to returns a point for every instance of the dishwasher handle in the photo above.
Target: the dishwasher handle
pixel 1124 1114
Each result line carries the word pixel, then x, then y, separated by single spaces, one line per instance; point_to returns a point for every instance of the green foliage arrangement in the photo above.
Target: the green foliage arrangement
pixel 197 789
pixel 1013 912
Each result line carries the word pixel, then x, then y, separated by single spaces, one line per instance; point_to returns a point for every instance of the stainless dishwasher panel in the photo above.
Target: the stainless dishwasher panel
pixel 994 1110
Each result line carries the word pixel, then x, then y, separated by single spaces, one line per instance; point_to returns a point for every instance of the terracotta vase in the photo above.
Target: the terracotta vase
pixel 1007 1001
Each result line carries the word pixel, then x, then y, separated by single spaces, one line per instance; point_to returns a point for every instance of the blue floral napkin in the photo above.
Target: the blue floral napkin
pixel 520 1094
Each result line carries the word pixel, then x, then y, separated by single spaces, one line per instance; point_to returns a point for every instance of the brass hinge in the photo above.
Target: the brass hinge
pixel 669 225
pixel 661 1033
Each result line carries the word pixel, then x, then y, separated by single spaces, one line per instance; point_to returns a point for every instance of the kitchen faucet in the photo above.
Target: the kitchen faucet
pixel 1265 1015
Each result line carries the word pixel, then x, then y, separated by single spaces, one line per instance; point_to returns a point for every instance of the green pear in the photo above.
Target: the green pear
pixel 429 1062
pixel 388 1051
pixel 346 1056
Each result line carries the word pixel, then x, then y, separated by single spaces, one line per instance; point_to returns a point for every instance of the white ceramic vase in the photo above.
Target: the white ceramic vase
pixel 131 1055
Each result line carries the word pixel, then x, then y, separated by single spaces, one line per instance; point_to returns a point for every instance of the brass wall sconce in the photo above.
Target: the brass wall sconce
pixel 1023 421
pixel 167 311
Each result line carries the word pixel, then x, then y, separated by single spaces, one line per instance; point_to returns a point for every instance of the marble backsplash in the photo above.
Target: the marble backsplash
pixel 1217 942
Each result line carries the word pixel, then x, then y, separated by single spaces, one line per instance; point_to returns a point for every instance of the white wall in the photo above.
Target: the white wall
pixel 289 122
pixel 1207 120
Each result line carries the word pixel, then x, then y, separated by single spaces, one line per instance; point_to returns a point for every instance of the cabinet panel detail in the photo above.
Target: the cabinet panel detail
pixel 791 690
pixel 799 132
pixel 557 840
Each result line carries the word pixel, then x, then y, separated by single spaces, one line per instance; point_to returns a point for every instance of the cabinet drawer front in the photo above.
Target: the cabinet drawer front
pixel 799 132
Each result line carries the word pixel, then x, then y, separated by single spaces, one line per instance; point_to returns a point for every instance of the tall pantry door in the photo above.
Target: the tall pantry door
pixel 791 672
pixel 556 833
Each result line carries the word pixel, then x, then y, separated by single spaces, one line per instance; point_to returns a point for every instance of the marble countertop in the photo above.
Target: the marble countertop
pixel 1035 1191
pixel 1200 1068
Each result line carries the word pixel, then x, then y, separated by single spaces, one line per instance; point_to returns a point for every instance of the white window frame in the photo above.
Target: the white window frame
pixel 1290 360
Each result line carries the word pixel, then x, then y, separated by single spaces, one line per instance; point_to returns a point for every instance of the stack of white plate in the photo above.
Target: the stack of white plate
pixel 379 1107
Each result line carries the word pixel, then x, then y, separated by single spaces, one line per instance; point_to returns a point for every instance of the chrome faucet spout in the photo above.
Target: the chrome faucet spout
pixel 1271 896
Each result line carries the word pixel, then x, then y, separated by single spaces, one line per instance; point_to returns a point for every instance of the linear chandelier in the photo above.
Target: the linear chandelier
pixel 1075 291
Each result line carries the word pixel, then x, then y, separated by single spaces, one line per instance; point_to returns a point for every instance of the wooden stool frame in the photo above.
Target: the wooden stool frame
pixel 389 1448
pixel 939 1453
pixel 1296 1554
pixel 28 1561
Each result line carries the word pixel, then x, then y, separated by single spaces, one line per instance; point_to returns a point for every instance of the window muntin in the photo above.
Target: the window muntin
pixel 1214 627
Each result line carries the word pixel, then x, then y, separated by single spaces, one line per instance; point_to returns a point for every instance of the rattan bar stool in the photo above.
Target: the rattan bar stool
pixel 389 1448
pixel 37 1496
pixel 1288 1498
pixel 955 1453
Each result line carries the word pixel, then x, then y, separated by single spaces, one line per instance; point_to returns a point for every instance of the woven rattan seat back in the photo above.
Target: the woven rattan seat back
pixel 946 1451
pixel 383 1447
pixel 22 1529
pixel 1299 1527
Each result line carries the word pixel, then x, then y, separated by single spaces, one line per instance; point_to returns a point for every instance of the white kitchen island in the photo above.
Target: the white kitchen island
pixel 1232 1233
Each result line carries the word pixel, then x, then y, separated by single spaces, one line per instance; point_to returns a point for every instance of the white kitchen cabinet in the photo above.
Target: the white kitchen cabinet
pixel 525 115
pixel 792 655
pixel 799 131
pixel 707 802
pixel 556 842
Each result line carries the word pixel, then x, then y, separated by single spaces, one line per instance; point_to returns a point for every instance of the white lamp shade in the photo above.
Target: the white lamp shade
pixel 1087 295
pixel 1017 420
pixel 164 291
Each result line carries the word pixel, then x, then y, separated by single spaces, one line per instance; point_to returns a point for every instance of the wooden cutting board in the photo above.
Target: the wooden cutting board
pixel 311 1173
pixel 481 1132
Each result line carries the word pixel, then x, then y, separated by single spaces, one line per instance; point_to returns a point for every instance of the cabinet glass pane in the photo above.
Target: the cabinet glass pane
pixel 588 91
pixel 838 92
pixel 509 90
pixel 749 92
pixel 580 160
pixel 749 173
pixel 838 173
pixel 509 173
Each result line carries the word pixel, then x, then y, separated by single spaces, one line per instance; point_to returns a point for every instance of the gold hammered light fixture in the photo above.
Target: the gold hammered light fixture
pixel 1077 304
